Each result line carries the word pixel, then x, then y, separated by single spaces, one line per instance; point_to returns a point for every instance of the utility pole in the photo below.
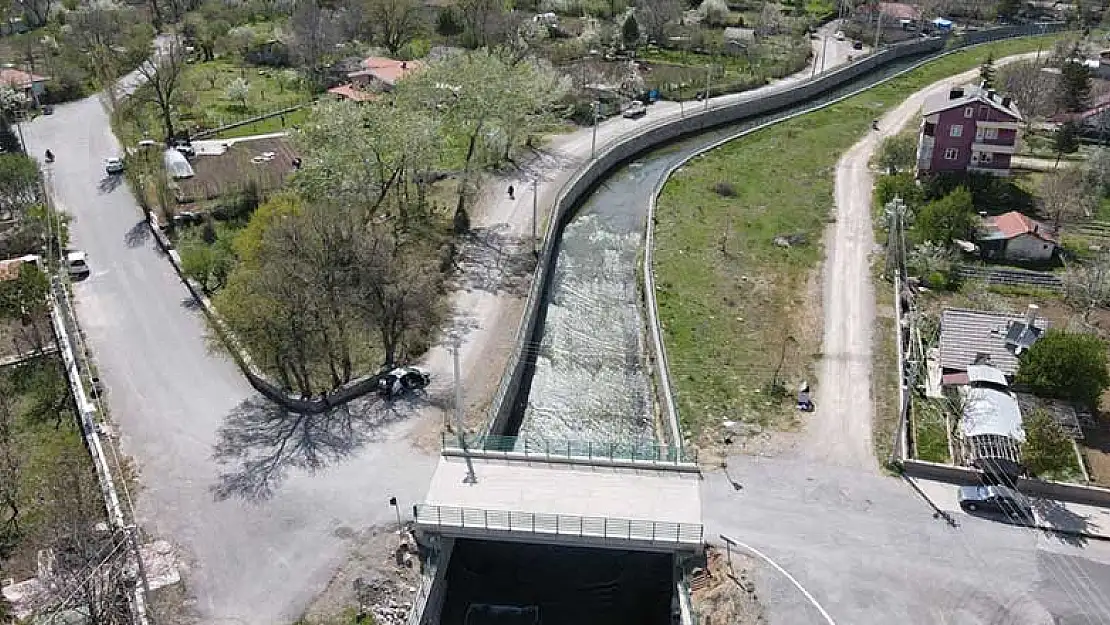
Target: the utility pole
pixel 535 213
pixel 708 83
pixel 878 25
pixel 824 46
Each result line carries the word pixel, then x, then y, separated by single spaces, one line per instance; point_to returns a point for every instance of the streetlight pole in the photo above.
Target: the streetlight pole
pixel 593 142
pixel 535 213
pixel 824 46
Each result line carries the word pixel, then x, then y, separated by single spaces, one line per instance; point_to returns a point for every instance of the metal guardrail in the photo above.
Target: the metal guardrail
pixel 643 451
pixel 560 525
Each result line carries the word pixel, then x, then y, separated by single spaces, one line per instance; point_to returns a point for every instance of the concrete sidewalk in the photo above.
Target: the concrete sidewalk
pixel 1051 515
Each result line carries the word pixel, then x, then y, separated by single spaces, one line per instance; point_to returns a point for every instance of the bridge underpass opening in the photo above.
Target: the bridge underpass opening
pixel 511 583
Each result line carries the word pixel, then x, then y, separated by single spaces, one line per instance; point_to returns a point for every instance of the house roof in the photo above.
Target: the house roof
pixel 969 94
pixel 1014 224
pixel 965 334
pixel 18 79
pixel 990 411
pixel 986 374
pixel 386 70
pixel 351 92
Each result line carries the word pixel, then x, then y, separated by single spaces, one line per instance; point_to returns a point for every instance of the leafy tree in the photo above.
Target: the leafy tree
pixel 238 90
pixel 1075 85
pixel 447 22
pixel 20 184
pixel 396 22
pixel 1067 366
pixel 630 31
pixel 11 465
pixel 898 153
pixel 25 299
pixel 900 185
pixel 986 72
pixel 1047 449
pixel 951 217
pixel 655 16
pixel 714 12
pixel 1065 140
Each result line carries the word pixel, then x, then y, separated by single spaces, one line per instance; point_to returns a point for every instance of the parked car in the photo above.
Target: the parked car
pixel 77 264
pixel 636 109
pixel 857 45
pixel 114 166
pixel 48 109
pixel 840 35
pixel 395 382
pixel 999 499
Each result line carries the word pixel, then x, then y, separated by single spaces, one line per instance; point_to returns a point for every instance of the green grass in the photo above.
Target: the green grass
pixel 930 431
pixel 728 313
pixel 266 126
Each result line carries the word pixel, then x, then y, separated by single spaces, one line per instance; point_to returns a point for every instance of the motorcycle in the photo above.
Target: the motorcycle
pixel 874 124
pixel 49 156
pixel 805 403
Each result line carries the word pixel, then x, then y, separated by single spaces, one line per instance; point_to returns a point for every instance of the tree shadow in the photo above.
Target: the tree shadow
pixel 138 235
pixel 496 261
pixel 1070 527
pixel 108 184
pixel 260 443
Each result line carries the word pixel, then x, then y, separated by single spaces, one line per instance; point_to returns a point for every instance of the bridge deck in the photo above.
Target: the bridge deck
pixel 517 499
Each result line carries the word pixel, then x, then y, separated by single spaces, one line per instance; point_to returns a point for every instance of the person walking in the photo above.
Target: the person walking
pixel 511 192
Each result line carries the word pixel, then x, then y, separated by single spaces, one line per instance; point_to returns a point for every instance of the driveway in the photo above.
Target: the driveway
pixel 250 562
pixel 869 550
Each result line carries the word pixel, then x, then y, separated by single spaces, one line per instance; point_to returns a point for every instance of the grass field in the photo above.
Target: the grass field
pixel 732 303
pixel 930 431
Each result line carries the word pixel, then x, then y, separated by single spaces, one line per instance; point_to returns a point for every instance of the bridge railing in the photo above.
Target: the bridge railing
pixel 636 451
pixel 560 525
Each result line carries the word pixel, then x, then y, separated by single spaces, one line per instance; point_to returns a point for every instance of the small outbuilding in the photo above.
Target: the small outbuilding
pixel 1013 236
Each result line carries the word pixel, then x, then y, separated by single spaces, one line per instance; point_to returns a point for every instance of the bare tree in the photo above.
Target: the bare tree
pixel 1066 196
pixel 481 20
pixel 654 16
pixel 36 12
pixel 1087 285
pixel 162 73
pixel 315 33
pixel 396 22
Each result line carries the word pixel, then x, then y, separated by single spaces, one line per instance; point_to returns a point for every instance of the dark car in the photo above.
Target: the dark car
pixel 857 45
pixel 998 499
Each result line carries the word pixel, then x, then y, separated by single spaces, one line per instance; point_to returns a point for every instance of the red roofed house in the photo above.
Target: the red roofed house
pixel 31 85
pixel 376 75
pixel 967 129
pixel 1013 236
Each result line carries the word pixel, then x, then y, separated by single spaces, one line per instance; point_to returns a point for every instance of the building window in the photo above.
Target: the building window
pixel 990 133
pixel 983 111
pixel 986 157
pixel 969 112
pixel 950 154
pixel 930 129
pixel 956 130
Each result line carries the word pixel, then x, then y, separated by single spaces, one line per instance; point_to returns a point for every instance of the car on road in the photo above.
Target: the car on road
pixel 636 109
pixel 840 35
pixel 857 45
pixel 113 166
pixel 997 499
pixel 77 264
pixel 393 382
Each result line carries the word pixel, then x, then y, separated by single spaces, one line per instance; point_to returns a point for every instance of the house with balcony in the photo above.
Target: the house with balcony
pixel 967 129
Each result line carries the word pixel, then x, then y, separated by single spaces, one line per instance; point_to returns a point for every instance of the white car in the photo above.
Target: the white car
pixel 636 109
pixel 839 35
pixel 77 264
pixel 113 166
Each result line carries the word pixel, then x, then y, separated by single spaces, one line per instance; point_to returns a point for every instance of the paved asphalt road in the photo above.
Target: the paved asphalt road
pixel 251 563
pixel 867 547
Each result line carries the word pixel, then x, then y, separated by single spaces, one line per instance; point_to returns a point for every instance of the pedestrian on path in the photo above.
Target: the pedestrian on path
pixel 511 192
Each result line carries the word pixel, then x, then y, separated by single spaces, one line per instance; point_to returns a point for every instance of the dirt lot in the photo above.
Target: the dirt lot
pixel 728 595
pixel 266 162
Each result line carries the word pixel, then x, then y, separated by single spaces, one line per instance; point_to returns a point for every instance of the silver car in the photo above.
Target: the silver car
pixel 998 499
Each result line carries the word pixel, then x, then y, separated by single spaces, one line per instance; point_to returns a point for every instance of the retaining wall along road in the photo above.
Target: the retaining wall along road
pixel 510 398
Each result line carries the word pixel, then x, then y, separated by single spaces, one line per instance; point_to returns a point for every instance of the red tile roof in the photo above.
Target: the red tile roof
pixel 350 92
pixel 1014 224
pixel 386 70
pixel 18 79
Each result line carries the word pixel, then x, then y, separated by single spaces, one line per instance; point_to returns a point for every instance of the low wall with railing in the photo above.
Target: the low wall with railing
pixel 563 529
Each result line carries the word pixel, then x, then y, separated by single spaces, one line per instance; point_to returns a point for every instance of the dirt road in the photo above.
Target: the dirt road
pixel 839 432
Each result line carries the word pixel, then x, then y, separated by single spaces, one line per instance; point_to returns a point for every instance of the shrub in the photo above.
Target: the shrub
pixel 1066 365
pixel 951 217
pixel 1047 451
pixel 900 185
pixel 724 189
